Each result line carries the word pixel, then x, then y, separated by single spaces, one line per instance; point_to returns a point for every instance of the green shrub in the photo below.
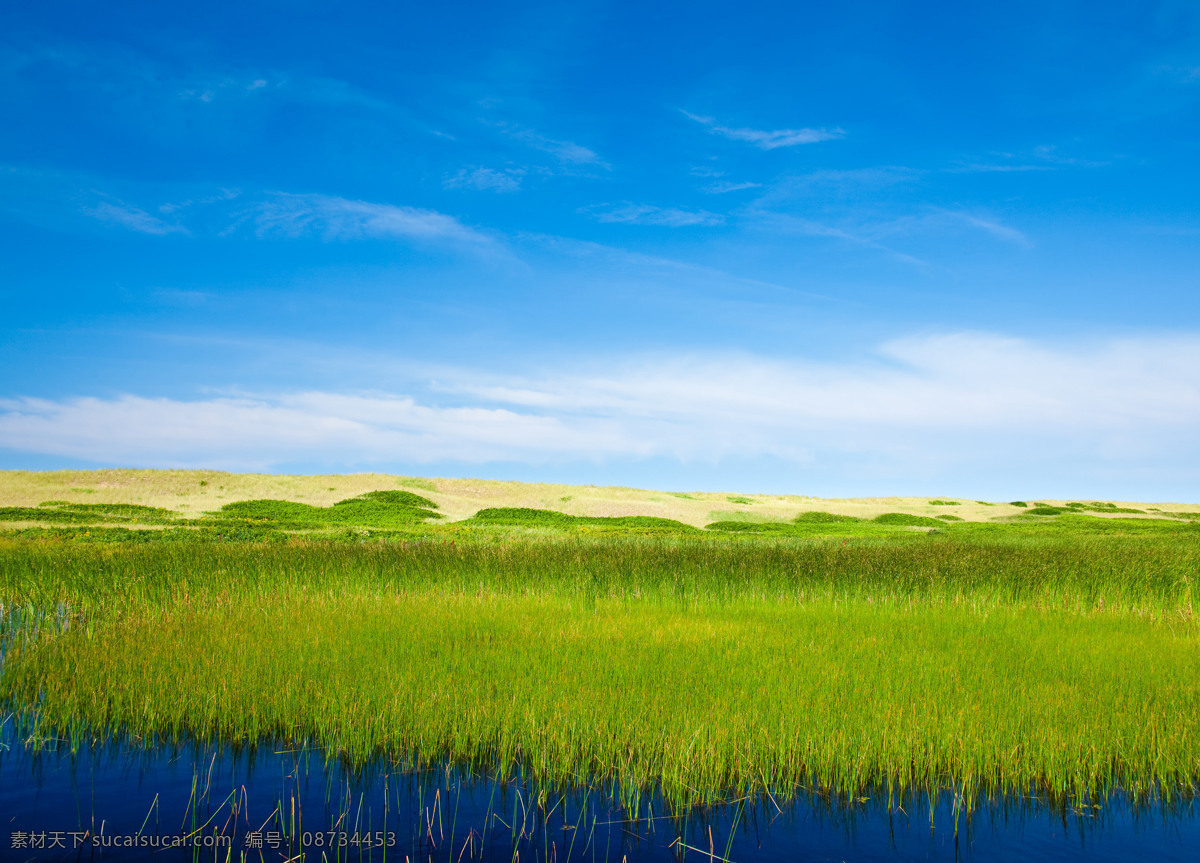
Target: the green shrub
pixel 752 527
pixel 817 517
pixel 373 509
pixel 527 517
pixel 523 517
pixel 54 516
pixel 904 519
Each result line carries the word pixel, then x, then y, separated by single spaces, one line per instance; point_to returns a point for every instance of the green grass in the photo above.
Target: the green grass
pixel 903 519
pixel 62 512
pixel 1051 656
pixel 548 518
pixel 1100 506
pixel 824 518
pixel 416 482
pixel 740 499
pixel 944 503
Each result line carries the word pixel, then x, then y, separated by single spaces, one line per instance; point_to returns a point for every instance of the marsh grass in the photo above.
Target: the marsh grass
pixel 1028 661
pixel 704 702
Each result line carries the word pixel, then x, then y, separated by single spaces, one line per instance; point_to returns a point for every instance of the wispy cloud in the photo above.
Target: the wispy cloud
pixel 133 218
pixel 1040 158
pixel 725 188
pixel 993 168
pixel 1051 154
pixel 784 223
pixel 679 271
pixel 645 214
pixel 993 227
pixel 486 179
pixel 341 218
pixel 219 197
pixel 767 140
pixel 826 186
pixel 564 151
pixel 237 87
pixel 915 406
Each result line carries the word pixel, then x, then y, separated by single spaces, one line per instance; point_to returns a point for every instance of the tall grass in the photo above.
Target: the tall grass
pixel 1151 573
pixel 1056 665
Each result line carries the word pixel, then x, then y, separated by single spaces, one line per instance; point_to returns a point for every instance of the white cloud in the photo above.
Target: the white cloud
pixel 964 399
pixel 645 214
pixel 767 140
pixel 258 432
pixel 484 179
pixel 340 218
pixel 133 218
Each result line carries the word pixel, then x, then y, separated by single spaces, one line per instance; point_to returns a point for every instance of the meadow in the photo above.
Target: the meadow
pixel 1051 656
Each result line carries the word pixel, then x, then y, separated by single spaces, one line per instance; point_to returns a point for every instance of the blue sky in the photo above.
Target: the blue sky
pixel 831 249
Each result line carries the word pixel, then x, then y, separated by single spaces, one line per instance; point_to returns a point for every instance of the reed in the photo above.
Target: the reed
pixel 709 667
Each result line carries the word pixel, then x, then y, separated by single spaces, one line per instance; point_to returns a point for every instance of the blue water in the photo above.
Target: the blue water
pixel 122 802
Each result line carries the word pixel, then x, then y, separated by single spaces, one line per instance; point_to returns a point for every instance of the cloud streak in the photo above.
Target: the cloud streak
pixel 133 218
pixel 722 188
pixel 995 228
pixel 486 179
pixel 766 140
pixel 783 223
pixel 645 214
pixel 564 151
pixel 337 218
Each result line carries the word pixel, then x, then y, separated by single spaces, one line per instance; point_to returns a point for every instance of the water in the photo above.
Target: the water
pixel 124 802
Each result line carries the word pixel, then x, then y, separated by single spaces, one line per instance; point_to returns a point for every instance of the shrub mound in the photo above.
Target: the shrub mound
pixel 817 517
pixel 380 509
pixel 528 517
pixel 63 512
pixel 904 519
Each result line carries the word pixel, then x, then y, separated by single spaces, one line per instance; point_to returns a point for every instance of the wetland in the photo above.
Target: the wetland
pixel 842 681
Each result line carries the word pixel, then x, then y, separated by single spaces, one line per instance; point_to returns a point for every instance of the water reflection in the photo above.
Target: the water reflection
pixel 126 802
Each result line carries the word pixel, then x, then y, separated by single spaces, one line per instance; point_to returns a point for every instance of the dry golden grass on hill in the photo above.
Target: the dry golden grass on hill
pixel 196 491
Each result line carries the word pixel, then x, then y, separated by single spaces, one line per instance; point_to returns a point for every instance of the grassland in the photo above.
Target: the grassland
pixel 832 648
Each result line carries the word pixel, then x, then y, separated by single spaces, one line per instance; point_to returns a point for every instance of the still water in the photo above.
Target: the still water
pixel 121 802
